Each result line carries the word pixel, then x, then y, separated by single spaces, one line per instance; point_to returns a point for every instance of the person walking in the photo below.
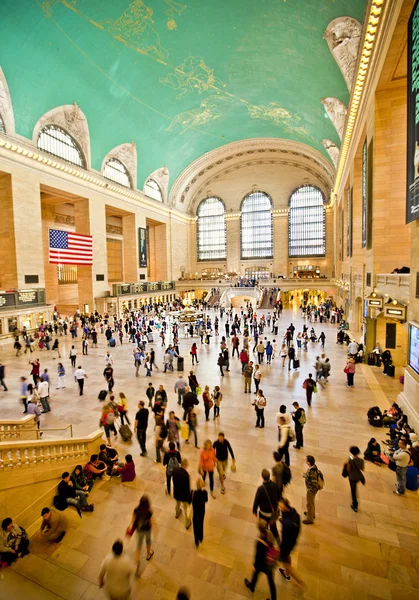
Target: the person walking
pixel 61 376
pixel 123 408
pixel 265 504
pixel 173 426
pixel 193 382
pixel 171 460
pixel 278 472
pixel 217 396
pixel 353 470
pixel 222 448
pixel 199 499
pixel 257 375
pixel 150 392
pixel 263 562
pixel 182 491
pixel 24 394
pixel 402 459
pixel 350 371
pixel 208 402
pixel 291 356
pixel 116 573
pixel 314 482
pixel 260 348
pixel 36 368
pixel 220 363
pixel 180 388
pixel 248 372
pixel 309 385
pixel 300 419
pixel 291 525
pixel 43 392
pixel 73 356
pixel 259 404
pixel 284 440
pixel 192 422
pixel 194 354
pixel 142 524
pixel 2 376
pixel 80 375
pixel 84 347
pixel 140 426
pixel 207 464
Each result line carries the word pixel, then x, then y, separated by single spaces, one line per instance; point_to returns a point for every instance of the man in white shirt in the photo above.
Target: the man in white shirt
pixel 353 348
pixel 108 359
pixel 402 459
pixel 116 573
pixel 180 388
pixel 80 375
pixel 43 392
pixel 283 413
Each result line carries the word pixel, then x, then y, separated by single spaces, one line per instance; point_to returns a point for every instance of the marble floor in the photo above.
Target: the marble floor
pixel 368 555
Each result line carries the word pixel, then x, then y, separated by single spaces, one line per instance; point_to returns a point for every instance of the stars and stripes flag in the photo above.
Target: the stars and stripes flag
pixel 69 248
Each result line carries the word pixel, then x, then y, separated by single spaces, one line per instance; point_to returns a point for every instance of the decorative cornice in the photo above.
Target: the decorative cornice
pixel 114 229
pixel 64 219
pixel 184 188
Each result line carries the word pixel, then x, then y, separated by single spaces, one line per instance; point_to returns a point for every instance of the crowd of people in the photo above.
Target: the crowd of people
pixel 252 339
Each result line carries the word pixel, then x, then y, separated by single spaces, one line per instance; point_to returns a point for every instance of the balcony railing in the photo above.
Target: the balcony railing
pixel 397 279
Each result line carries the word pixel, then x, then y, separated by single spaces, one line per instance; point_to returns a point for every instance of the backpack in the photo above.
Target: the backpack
pixel 59 503
pixel 303 418
pixel 110 418
pixel 171 465
pixel 320 480
pixel 286 475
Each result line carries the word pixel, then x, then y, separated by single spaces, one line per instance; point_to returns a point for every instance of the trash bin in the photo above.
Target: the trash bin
pixel 180 363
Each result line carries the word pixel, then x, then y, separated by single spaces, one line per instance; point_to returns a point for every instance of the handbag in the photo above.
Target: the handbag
pixel 315 389
pixel 275 513
pixel 345 472
pixel 346 370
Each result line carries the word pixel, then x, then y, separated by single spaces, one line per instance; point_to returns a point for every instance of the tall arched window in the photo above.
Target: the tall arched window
pixel 256 226
pixel 2 127
pixel 56 141
pixel 306 223
pixel 117 172
pixel 153 190
pixel 211 230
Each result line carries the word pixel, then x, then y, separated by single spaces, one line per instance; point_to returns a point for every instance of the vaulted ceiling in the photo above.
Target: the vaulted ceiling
pixel 177 79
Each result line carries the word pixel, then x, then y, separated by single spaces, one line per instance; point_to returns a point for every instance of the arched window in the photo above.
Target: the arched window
pixel 117 172
pixel 211 230
pixel 58 142
pixel 256 226
pixel 153 190
pixel 2 127
pixel 306 223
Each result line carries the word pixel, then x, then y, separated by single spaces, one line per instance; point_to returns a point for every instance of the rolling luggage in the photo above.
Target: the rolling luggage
pixel 180 363
pixel 150 337
pixel 125 433
pixel 102 394
pixel 391 369
pixel 371 359
pixel 296 364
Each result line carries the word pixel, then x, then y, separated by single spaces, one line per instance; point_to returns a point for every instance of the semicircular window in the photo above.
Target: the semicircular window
pixel 153 190
pixel 116 171
pixel 59 143
pixel 211 230
pixel 306 223
pixel 256 228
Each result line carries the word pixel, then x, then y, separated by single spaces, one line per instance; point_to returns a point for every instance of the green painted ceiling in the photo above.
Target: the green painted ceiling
pixel 177 79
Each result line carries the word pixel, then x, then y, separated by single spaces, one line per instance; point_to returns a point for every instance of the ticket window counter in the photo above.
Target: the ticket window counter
pixel 26 321
pixel 12 324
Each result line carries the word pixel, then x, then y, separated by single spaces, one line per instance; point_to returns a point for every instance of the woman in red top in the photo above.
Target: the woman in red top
pixel 244 358
pixel 207 463
pixel 194 354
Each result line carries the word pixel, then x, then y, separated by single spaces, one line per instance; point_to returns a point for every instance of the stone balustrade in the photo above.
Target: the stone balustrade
pixel 24 454
pixel 18 429
pixel 393 285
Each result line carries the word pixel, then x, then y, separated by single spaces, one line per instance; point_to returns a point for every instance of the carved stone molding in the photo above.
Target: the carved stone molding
pixel 343 36
pixel 72 119
pixel 188 182
pixel 203 191
pixel 127 155
pixel 114 229
pixel 332 150
pixel 161 176
pixel 336 111
pixel 6 107
pixel 64 219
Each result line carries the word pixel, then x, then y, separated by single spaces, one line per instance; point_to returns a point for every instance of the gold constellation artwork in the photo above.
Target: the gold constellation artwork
pixel 174 9
pixel 208 111
pixel 192 75
pixel 278 115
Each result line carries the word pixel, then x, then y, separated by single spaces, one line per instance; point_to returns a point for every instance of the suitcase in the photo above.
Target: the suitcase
pixel 150 337
pixel 371 359
pixel 125 433
pixel 296 364
pixel 180 363
pixel 391 369
pixel 112 343
pixel 102 394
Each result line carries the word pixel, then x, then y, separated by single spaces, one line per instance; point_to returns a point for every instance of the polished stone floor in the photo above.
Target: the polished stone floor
pixel 371 554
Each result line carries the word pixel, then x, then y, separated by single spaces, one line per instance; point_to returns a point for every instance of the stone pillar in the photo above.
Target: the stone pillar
pixel 82 222
pixel 8 274
pixel 233 244
pixel 27 223
pixel 280 261
pixel 51 270
pixel 130 233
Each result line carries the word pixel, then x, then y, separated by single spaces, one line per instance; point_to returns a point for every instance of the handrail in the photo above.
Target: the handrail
pixel 38 431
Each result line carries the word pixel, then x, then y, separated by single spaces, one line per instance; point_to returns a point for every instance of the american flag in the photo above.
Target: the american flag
pixel 69 248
